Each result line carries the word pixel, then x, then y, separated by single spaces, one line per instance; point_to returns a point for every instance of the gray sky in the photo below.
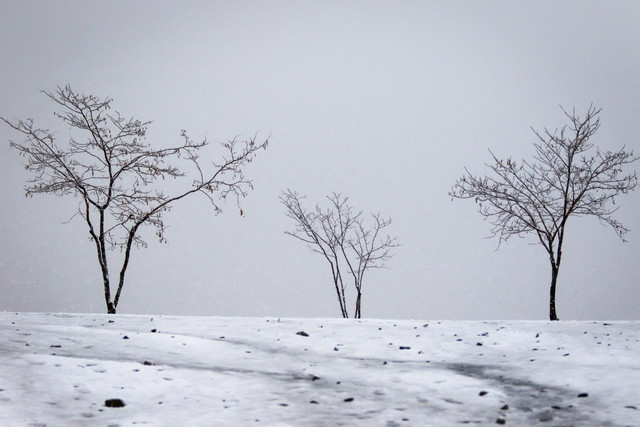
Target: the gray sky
pixel 386 102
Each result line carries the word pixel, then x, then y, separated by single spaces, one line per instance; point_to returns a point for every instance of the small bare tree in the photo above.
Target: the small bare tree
pixel 568 177
pixel 115 174
pixel 342 236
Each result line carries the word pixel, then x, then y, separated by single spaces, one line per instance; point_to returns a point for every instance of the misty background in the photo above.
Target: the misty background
pixel 386 102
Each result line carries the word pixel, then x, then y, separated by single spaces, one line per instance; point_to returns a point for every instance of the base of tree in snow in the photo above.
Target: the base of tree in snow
pixel 77 369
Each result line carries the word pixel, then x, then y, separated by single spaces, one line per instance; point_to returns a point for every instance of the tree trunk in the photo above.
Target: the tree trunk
pixel 343 308
pixel 552 293
pixel 107 291
pixel 111 309
pixel 357 314
pixel 341 299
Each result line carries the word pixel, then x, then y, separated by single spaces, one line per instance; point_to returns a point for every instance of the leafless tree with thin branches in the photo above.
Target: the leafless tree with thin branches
pixel 344 238
pixel 114 173
pixel 568 177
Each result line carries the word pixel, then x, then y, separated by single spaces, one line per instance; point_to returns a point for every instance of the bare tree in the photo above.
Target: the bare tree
pixel 115 174
pixel 568 177
pixel 342 236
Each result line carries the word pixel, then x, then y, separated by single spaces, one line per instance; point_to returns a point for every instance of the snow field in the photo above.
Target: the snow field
pixel 60 369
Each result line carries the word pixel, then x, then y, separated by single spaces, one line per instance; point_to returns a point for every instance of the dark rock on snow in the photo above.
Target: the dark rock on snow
pixel 114 403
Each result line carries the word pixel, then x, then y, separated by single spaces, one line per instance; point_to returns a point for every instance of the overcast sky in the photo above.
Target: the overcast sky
pixel 386 102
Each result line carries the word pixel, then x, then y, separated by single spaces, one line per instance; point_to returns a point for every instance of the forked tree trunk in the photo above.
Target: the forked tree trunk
pixel 111 309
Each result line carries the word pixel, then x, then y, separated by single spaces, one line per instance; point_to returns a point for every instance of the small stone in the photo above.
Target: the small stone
pixel 479 344
pixel 125 337
pixel 583 395
pixel 483 393
pixel 349 399
pixel 313 402
pixel 501 421
pixel 505 408
pixel 302 334
pixel 154 330
pixel 405 347
pixel 114 403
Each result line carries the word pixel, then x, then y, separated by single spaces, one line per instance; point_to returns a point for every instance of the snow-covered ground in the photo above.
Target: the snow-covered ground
pixel 61 369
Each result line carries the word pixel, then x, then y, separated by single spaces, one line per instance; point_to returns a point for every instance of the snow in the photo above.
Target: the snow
pixel 60 369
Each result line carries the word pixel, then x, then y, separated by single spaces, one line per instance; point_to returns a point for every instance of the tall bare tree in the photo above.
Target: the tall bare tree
pixel 343 237
pixel 568 177
pixel 114 173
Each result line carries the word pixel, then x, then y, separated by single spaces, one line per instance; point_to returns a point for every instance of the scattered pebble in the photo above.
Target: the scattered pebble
pixel 302 334
pixel 114 403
